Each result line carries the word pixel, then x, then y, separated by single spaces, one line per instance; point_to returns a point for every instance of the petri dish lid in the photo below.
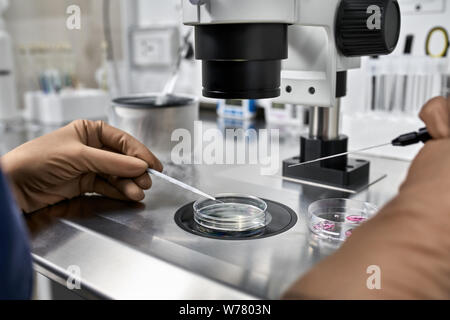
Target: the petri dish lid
pixel 232 213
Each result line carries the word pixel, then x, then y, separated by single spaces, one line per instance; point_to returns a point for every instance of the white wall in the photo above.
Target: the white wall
pixel 417 24
pixel 148 13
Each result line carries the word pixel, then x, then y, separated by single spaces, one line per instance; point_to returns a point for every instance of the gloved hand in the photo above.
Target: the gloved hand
pixel 83 157
pixel 409 239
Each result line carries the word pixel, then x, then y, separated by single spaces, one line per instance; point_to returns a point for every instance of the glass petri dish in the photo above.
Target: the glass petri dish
pixel 335 219
pixel 232 213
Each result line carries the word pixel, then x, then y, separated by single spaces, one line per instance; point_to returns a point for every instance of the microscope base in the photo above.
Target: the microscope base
pixel 357 173
pixel 341 172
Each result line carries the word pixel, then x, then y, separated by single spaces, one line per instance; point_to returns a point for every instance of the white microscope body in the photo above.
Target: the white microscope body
pixel 323 39
pixel 313 56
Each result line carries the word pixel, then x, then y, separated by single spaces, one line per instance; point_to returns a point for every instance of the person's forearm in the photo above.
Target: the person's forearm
pixel 409 241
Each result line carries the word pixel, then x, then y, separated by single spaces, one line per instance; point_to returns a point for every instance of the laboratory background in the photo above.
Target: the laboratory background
pixel 133 64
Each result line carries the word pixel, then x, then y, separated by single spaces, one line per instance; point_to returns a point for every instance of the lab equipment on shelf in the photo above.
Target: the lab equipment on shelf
pixel 290 119
pixel 48 67
pixel 403 84
pixel 65 106
pixel 393 92
pixel 285 113
pixel 236 109
pixel 439 48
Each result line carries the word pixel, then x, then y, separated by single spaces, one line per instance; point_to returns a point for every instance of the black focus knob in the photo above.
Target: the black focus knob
pixel 367 27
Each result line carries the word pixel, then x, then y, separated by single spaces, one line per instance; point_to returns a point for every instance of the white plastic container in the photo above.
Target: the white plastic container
pixel 153 124
pixel 66 106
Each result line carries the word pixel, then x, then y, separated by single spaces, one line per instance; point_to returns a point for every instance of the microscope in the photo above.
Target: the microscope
pixel 299 51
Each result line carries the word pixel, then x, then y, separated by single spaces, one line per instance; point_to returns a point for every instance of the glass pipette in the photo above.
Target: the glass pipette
pixel 179 183
pixel 401 141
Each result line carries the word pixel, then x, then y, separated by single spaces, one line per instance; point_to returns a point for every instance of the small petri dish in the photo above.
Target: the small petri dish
pixel 231 213
pixel 335 219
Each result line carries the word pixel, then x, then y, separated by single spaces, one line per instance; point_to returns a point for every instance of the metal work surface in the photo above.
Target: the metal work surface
pixel 136 250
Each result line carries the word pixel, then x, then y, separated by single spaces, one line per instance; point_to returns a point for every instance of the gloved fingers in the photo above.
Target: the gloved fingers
pixel 144 181
pixel 111 163
pixel 436 115
pixel 123 142
pixel 128 188
pixel 94 183
pixel 116 188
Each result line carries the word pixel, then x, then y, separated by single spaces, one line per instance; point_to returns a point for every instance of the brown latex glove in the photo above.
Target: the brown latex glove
pixel 83 157
pixel 409 239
